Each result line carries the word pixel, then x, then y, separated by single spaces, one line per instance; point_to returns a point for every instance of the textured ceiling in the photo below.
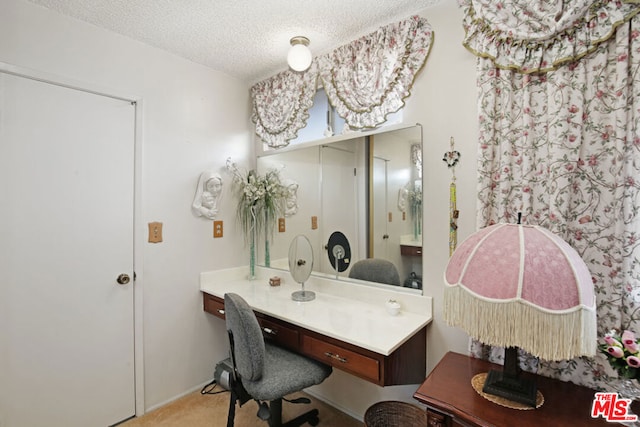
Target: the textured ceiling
pixel 248 39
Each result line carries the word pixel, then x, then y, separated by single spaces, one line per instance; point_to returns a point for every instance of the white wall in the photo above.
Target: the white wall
pixel 193 119
pixel 444 102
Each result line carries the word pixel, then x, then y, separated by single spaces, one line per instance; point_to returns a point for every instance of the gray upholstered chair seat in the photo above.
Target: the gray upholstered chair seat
pixel 285 373
pixel 375 270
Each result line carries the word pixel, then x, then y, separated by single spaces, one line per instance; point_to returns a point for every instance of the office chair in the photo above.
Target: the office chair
pixel 265 372
pixel 375 270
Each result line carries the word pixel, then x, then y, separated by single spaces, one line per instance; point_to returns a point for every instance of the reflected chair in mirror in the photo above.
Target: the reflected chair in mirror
pixel 263 371
pixel 375 270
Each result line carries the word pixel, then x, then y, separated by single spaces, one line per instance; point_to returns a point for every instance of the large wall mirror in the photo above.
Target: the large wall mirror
pixel 367 186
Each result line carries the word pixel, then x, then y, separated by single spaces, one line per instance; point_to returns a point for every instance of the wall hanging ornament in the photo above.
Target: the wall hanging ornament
pixel 451 158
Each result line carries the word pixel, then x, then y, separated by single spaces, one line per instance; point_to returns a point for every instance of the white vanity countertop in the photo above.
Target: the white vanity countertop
pixel 348 312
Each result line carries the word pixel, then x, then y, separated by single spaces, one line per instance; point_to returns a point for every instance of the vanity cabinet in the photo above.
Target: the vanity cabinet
pixel 406 365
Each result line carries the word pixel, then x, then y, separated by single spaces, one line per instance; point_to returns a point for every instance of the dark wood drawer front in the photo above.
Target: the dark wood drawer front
pixel 341 358
pixel 279 333
pixel 410 250
pixel 214 305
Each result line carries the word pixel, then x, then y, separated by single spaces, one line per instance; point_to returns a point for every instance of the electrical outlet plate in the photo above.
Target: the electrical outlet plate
pixel 217 229
pixel 281 225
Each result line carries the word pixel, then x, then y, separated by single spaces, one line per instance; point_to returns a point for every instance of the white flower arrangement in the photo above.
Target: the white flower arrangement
pixel 261 199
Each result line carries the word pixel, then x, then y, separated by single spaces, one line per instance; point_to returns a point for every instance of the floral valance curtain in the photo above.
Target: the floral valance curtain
pixel 529 36
pixel 365 81
pixel 369 78
pixel 562 146
pixel 281 105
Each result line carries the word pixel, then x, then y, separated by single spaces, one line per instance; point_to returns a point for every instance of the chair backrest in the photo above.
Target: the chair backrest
pixel 249 349
pixel 375 270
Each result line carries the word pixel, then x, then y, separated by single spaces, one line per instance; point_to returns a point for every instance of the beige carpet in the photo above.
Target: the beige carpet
pixel 210 410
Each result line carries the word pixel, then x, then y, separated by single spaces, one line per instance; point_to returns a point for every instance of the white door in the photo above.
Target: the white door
pixel 381 212
pixel 339 202
pixel 66 234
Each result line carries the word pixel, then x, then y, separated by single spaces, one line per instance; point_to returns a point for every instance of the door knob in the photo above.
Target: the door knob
pixel 123 279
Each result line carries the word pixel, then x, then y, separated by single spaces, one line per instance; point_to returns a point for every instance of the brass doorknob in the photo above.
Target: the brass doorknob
pixel 123 279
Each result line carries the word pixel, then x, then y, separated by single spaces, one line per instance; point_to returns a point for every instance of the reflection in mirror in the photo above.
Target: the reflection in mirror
pixel 300 266
pixel 339 252
pixel 368 187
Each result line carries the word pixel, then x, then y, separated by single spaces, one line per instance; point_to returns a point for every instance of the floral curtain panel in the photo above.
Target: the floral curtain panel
pixel 369 78
pixel 281 105
pixel 563 148
pixel 365 81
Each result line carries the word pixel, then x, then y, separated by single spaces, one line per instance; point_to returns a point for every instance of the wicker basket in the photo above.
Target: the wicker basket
pixel 395 414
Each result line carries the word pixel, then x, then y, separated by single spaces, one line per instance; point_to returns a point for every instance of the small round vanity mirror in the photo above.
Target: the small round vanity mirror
pixel 300 266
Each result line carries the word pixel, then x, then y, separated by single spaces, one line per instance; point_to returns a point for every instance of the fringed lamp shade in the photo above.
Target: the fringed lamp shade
pixel 514 285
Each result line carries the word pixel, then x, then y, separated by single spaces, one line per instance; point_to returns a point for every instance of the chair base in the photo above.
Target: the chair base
pixel 275 407
pixel 275 414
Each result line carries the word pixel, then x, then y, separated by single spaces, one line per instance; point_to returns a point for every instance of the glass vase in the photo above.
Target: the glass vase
pixel 267 255
pixel 252 246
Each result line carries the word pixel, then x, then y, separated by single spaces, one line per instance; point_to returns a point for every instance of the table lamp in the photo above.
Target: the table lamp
pixel 514 285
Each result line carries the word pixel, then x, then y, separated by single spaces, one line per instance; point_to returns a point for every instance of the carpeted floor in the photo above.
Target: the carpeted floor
pixel 210 410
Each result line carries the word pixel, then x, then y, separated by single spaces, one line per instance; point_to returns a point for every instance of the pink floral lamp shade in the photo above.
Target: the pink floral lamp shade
pixel 514 285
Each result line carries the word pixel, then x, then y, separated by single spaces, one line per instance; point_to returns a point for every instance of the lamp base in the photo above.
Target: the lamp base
pixel 515 388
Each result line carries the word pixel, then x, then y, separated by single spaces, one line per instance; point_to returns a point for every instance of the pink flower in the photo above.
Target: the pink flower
pixel 615 351
pixel 628 337
pixel 629 341
pixel 633 361
pixel 585 219
pixel 609 339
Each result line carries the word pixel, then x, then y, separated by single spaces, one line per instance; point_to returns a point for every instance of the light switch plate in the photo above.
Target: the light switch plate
pixel 314 222
pixel 155 232
pixel 218 228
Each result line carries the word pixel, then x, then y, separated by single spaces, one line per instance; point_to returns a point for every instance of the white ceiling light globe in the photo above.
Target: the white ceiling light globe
pixel 299 56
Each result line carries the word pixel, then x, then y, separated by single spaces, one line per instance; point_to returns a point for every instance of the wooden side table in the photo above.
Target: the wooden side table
pixel 452 401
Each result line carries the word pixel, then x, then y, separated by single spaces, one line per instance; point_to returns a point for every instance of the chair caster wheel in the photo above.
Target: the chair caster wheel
pixel 314 421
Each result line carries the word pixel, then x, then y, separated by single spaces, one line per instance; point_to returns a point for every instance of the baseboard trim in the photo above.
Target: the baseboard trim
pixel 173 399
pixel 336 405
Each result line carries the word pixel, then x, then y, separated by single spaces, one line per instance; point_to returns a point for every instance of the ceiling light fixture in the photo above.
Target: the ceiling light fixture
pixel 299 56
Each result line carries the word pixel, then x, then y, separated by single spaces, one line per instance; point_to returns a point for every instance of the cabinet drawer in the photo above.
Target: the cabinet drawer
pixel 214 305
pixel 341 358
pixel 410 250
pixel 279 333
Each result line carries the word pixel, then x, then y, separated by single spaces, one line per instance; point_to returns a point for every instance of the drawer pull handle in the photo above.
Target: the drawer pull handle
pixel 336 357
pixel 221 311
pixel 270 331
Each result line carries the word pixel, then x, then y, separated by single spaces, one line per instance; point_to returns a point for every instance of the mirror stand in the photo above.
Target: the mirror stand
pixel 303 295
pixel 300 266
